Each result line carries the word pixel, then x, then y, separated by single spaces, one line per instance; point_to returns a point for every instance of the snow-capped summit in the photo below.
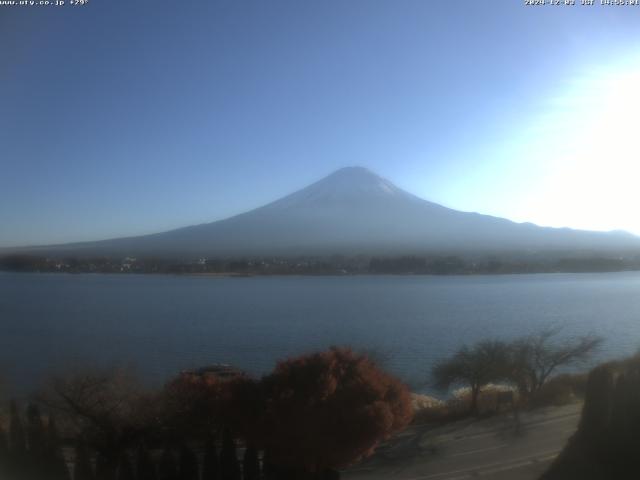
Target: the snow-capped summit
pixel 349 184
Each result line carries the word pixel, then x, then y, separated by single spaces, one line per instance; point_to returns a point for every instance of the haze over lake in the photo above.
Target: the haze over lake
pixel 163 324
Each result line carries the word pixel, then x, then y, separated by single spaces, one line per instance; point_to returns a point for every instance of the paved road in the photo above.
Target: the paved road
pixel 498 448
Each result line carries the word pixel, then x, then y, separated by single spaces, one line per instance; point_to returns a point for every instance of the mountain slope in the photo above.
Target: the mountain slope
pixel 352 211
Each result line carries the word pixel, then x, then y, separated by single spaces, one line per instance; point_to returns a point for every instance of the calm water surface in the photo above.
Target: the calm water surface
pixel 162 324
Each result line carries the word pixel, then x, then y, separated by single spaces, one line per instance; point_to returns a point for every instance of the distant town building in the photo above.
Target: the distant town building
pixel 219 371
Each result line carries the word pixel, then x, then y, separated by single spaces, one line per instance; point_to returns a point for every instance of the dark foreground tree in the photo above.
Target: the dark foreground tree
pixel 210 467
pixel 167 469
pixel 327 410
pixel 82 469
pixel 125 469
pixel 54 458
pixel 605 447
pixel 145 468
pixel 533 359
pixel 17 440
pixel 17 462
pixel 36 438
pixel 106 467
pixel 229 466
pixel 473 367
pixel 250 464
pixel 4 454
pixel 188 464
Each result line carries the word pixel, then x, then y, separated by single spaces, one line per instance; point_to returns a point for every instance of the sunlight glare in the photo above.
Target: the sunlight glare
pixel 593 183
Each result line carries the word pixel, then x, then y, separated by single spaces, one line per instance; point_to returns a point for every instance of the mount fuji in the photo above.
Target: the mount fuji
pixel 351 211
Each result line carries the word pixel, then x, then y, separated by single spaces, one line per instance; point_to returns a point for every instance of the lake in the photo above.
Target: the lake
pixel 163 324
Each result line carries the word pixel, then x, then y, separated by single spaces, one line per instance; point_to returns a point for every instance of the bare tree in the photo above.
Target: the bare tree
pixel 533 359
pixel 474 367
pixel 106 410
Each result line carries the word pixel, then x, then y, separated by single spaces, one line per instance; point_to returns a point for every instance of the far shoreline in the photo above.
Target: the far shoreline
pixel 332 274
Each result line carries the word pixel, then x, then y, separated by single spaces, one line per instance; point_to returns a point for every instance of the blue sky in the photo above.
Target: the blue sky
pixel 131 117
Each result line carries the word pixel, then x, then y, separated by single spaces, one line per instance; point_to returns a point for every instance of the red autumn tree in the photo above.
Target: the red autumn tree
pixel 327 410
pixel 194 402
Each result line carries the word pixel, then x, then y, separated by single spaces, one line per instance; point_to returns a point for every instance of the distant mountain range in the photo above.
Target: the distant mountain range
pixel 352 211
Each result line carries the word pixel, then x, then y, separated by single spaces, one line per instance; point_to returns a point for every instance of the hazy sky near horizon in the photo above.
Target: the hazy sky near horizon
pixel 130 117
